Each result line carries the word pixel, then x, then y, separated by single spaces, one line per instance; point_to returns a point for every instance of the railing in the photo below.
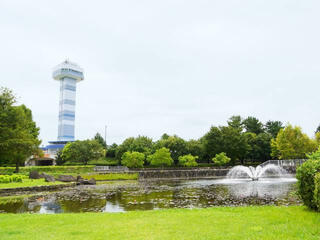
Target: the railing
pixel 110 169
pixel 284 163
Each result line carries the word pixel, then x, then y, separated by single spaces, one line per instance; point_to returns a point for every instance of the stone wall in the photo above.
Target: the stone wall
pixel 187 174
pixel 8 191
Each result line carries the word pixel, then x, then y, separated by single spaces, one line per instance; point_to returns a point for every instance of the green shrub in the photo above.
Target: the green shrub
pixel 316 195
pixel 132 159
pixel 48 169
pixel 161 157
pixel 188 160
pixel 10 178
pixel 221 159
pixel 306 179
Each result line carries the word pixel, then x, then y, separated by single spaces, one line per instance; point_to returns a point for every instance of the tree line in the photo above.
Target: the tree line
pixel 241 140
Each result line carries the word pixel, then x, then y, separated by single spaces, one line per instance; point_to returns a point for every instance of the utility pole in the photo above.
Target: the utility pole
pixel 105 134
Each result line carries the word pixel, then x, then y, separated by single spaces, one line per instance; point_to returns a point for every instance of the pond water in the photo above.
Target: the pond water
pixel 125 196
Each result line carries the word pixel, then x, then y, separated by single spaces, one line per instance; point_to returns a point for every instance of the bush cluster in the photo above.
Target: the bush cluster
pixel 188 161
pixel 308 181
pixel 48 169
pixel 10 178
pixel 316 195
pixel 221 159
pixel 132 159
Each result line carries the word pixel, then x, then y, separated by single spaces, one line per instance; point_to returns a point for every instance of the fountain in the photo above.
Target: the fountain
pixel 269 170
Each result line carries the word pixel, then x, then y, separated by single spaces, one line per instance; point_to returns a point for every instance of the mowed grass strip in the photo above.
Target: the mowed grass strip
pixel 29 183
pixel 267 222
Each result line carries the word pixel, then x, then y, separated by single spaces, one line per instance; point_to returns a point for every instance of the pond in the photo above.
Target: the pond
pixel 122 196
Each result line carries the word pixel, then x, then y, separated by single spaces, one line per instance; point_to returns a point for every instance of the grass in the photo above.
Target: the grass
pixel 28 183
pixel 213 223
pixel 111 176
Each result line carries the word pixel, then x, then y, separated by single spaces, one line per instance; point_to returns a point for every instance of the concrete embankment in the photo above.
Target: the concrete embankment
pixel 181 173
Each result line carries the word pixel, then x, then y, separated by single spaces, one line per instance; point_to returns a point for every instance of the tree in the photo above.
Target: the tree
pixel 132 159
pixel 253 125
pixel 175 144
pixel 292 143
pixel 318 129
pixel 195 148
pixel 18 132
pixel 140 144
pixel 221 159
pixel 59 159
pixel 226 139
pixel 100 140
pixel 112 150
pixel 260 148
pixel 235 122
pixel 82 151
pixel 273 127
pixel 188 160
pixel 161 157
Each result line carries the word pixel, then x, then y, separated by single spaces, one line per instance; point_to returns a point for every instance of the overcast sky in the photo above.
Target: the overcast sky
pixel 164 66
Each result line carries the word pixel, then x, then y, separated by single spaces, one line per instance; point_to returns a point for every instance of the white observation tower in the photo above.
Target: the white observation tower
pixel 68 74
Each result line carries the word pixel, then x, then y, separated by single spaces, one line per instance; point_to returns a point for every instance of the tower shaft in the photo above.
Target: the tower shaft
pixel 67 109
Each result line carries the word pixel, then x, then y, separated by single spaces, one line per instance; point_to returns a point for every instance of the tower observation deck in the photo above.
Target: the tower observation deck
pixel 68 74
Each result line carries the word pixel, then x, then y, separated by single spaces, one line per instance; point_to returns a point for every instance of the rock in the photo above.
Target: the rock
pixel 79 178
pixel 92 181
pixel 66 178
pixel 34 175
pixel 48 178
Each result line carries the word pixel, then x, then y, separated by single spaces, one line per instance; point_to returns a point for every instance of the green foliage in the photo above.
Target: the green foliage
pixel 221 159
pixel 273 128
pixel 226 139
pixel 59 159
pixel 140 144
pixel 292 143
pixel 260 148
pixel 112 150
pixel 316 195
pixel 48 169
pixel 100 140
pixel 133 159
pixel 18 132
pixel 82 151
pixel 104 161
pixel 195 148
pixel 188 160
pixel 176 145
pixel 161 157
pixel 253 125
pixel 306 179
pixel 10 178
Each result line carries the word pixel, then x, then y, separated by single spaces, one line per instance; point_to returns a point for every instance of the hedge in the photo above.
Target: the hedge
pixel 10 178
pixel 316 195
pixel 47 169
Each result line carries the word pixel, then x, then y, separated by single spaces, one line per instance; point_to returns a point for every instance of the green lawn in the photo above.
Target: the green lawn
pixel 212 223
pixel 28 183
pixel 111 176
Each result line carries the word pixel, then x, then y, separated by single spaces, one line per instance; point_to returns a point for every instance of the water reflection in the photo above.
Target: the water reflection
pixel 159 195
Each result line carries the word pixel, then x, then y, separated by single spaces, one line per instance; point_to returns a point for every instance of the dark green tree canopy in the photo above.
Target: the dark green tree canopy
pixel 82 151
pixel 253 125
pixel 100 140
pixel 140 144
pixel 273 127
pixel 18 132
